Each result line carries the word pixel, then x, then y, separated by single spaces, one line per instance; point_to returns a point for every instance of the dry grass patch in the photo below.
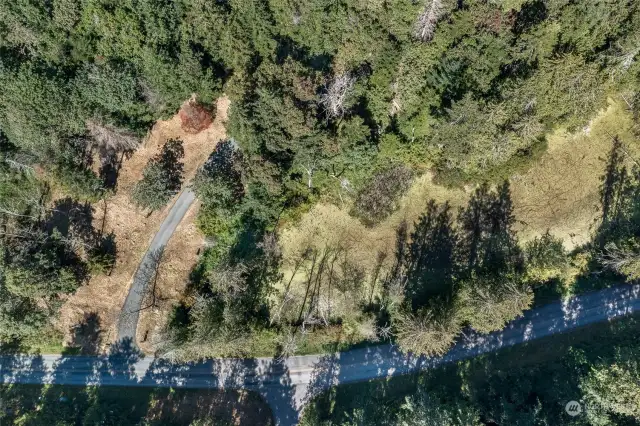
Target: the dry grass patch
pixel 561 191
pixel 134 230
pixel 327 225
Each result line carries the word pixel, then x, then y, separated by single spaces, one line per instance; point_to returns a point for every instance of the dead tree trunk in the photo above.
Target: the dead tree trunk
pixel 309 280
pixel 381 257
pixel 316 290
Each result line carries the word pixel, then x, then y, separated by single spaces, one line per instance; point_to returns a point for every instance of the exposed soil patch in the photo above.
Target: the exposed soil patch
pixel 194 117
pixel 134 230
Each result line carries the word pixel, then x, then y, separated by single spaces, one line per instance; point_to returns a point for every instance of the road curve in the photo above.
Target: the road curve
pixel 128 321
pixel 288 385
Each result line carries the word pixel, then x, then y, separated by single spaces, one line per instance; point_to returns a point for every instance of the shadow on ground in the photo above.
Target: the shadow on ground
pixel 285 385
pixel 123 388
pixel 526 384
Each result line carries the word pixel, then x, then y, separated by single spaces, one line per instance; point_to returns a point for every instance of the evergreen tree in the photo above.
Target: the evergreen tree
pixel 162 177
pixel 612 392
pixel 426 410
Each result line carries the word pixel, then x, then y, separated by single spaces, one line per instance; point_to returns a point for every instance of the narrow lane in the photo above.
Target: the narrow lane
pixel 288 386
pixel 128 321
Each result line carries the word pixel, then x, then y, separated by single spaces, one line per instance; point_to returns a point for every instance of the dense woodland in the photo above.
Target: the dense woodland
pixel 524 385
pixel 342 101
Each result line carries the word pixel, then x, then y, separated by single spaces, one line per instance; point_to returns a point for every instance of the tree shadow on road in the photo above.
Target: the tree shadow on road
pixel 122 388
pixel 87 335
pixel 523 384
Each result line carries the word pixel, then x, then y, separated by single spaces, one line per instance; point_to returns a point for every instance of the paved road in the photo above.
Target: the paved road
pixel 128 322
pixel 288 386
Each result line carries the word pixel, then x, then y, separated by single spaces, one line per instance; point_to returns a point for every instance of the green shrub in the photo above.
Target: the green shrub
pixel 211 223
pixel 379 198
pixel 545 258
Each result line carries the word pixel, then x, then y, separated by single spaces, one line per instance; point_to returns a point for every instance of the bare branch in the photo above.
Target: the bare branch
pixel 111 138
pixel 151 96
pixel 288 345
pixel 309 171
pixel 10 212
pixel 230 280
pixel 620 260
pixel 20 166
pixel 426 25
pixel 270 246
pixel 335 95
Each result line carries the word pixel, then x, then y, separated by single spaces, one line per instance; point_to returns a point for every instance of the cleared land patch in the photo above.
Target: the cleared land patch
pixel 560 192
pixel 134 229
pixel 329 226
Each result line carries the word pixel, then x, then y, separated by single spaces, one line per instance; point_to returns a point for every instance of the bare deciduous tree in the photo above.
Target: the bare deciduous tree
pixel 426 25
pixel 384 332
pixel 151 96
pixel 368 329
pixel 379 198
pixel 631 99
pixel 24 204
pixel 309 170
pixel 426 333
pixel 394 289
pixel 288 345
pixel 334 98
pixel 621 260
pixel 110 138
pixel 229 279
pixel 623 56
pixel 270 246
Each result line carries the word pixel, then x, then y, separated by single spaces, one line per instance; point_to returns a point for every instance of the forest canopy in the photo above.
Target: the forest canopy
pixel 340 101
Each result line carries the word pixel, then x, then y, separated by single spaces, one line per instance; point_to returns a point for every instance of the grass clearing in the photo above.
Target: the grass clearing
pixel 327 225
pixel 560 192
pixel 61 404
